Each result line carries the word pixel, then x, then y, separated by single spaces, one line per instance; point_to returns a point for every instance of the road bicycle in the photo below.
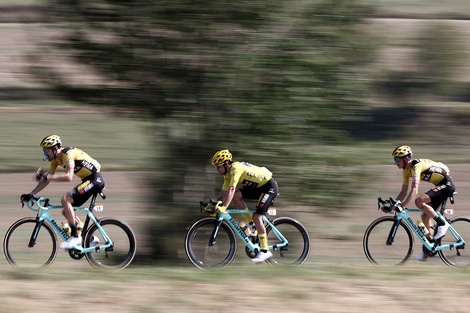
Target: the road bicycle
pixel 389 239
pixel 31 242
pixel 211 241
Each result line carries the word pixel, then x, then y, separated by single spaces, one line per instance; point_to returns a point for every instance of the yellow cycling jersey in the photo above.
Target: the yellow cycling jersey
pixel 246 174
pixel 426 170
pixel 83 164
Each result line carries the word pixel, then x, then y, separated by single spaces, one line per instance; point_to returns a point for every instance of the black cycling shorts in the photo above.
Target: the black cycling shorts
pixel 90 185
pixel 440 192
pixel 265 195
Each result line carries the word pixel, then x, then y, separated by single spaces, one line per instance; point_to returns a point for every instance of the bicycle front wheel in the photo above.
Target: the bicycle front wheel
pixel 296 252
pixel 205 254
pixel 20 253
pixel 457 257
pixel 123 248
pixel 385 244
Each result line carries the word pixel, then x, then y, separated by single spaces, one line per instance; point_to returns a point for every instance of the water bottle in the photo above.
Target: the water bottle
pixel 65 226
pixel 243 226
pixel 423 227
pixel 252 228
pixel 79 228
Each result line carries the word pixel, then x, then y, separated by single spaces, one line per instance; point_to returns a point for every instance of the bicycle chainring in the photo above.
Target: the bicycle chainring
pixel 249 253
pixel 427 252
pixel 76 255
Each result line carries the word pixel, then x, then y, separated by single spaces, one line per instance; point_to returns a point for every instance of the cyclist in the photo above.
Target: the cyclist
pixel 435 173
pixel 75 161
pixel 257 183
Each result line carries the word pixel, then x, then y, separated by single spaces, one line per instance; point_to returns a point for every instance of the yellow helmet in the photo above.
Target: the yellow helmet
pixel 221 156
pixel 402 151
pixel 50 141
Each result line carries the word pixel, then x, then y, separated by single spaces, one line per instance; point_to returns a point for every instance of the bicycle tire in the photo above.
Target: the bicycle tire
pixel 205 256
pixel 458 258
pixel 16 244
pixel 120 254
pixel 376 249
pixel 296 253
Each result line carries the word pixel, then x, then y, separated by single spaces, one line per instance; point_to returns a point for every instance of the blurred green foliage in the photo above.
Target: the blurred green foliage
pixel 270 82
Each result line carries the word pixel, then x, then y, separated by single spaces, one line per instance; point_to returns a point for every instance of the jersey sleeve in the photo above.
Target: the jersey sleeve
pixel 68 158
pixel 232 179
pixel 53 166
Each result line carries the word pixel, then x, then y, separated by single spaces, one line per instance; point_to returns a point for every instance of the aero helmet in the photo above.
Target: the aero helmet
pixel 51 141
pixel 402 151
pixel 221 156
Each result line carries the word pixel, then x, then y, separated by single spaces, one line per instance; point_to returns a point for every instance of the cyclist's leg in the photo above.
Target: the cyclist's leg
pixel 77 196
pixel 241 205
pixel 268 193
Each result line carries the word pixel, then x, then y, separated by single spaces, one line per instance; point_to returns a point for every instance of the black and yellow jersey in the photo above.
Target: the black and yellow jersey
pixel 426 170
pixel 246 174
pixel 83 164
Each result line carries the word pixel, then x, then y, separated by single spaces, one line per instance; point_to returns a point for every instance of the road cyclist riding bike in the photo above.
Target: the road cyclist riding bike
pixel 107 243
pixel 257 183
pixel 74 161
pixel 436 173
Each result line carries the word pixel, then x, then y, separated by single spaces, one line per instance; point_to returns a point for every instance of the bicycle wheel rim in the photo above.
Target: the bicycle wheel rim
pixel 375 245
pixel 205 256
pixel 298 249
pixel 457 257
pixel 20 255
pixel 120 255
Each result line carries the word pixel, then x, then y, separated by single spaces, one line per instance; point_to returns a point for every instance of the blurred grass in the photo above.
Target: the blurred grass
pixel 339 288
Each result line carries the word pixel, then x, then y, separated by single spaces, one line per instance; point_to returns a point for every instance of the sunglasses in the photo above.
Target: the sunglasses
pixel 46 150
pixel 217 166
pixel 397 159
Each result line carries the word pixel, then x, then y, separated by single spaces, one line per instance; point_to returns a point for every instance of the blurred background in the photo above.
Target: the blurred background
pixel 319 92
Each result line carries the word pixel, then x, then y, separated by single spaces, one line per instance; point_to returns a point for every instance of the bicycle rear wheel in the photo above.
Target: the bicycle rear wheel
pixel 297 251
pixel 206 255
pixel 457 257
pixel 120 254
pixel 17 240
pixel 381 252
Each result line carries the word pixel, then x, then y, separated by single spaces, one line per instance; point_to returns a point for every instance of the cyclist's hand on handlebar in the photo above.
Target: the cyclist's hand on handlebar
pixel 25 198
pixel 219 208
pixel 207 208
pixel 388 206
pixel 385 205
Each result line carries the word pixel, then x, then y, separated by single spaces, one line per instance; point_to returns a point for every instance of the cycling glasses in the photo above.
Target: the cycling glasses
pixel 217 166
pixel 46 150
pixel 397 159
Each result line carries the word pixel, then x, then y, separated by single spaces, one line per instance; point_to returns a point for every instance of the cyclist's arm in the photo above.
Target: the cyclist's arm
pixel 413 193
pixel 227 196
pixel 403 192
pixel 66 177
pixel 40 186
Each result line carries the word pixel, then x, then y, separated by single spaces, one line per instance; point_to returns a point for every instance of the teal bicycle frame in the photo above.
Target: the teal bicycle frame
pixel 44 215
pixel 254 247
pixel 431 246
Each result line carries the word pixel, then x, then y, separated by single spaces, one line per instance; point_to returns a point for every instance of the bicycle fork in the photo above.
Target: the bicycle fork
pixel 34 235
pixel 213 237
pixel 392 233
